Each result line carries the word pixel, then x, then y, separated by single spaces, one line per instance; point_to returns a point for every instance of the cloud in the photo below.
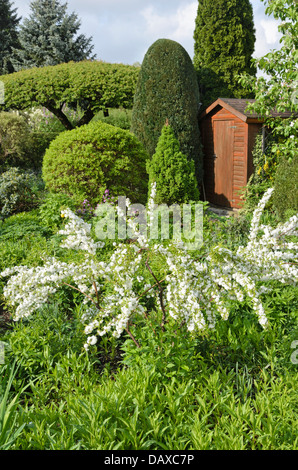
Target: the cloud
pixel 176 26
pixel 270 28
pixel 123 30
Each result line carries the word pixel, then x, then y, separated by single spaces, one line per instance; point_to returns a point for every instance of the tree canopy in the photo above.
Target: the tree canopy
pixel 224 43
pixel 277 88
pixel 49 37
pixel 91 86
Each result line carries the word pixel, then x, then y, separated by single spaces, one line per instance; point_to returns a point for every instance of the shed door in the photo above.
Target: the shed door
pixel 223 132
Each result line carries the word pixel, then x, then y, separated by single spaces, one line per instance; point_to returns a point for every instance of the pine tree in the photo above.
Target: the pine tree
pixel 224 43
pixel 172 172
pixel 167 88
pixel 9 22
pixel 48 37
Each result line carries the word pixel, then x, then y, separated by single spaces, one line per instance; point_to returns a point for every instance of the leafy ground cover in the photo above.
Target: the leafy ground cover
pixel 232 387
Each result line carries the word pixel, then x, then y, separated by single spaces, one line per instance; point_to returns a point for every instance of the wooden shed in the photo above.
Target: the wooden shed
pixel 228 136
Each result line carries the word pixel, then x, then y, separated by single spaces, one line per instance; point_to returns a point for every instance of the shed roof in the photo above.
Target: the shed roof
pixel 238 107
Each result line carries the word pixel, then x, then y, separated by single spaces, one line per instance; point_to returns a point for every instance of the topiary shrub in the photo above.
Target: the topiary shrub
pixel 172 172
pixel 83 162
pixel 90 85
pixel 167 88
pixel 285 196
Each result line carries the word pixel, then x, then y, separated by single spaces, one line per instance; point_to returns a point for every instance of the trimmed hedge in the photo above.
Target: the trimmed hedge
pixel 86 161
pixel 167 88
pixel 92 86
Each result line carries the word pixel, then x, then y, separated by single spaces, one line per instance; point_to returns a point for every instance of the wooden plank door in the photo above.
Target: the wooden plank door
pixel 223 134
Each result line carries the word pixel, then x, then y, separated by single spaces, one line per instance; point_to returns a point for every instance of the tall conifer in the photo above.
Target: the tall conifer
pixel 167 88
pixel 49 37
pixel 9 23
pixel 224 43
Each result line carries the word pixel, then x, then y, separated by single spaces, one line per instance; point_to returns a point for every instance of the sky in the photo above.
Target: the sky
pixel 123 30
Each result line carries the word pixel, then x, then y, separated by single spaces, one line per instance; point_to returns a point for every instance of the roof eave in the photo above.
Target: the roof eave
pixel 220 102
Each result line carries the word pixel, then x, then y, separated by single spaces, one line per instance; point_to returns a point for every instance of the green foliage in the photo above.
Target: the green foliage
pixel 276 89
pixel 8 35
pixel 49 37
pixel 285 196
pixel 19 191
pixel 230 388
pixel 50 209
pixel 224 43
pixel 17 227
pixel 116 117
pixel 167 89
pixel 21 143
pixel 172 172
pixel 14 140
pixel 90 86
pixel 84 162
pixel 9 431
pixel 265 165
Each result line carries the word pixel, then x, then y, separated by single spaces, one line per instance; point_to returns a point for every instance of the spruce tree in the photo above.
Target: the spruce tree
pixel 172 172
pixel 9 23
pixel 49 37
pixel 167 88
pixel 224 43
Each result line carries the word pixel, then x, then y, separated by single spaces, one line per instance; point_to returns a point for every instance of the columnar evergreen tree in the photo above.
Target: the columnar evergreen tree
pixel 167 88
pixel 9 22
pixel 49 37
pixel 172 172
pixel 224 43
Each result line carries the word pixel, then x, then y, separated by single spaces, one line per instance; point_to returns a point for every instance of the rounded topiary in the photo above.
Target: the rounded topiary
pixel 167 88
pixel 172 172
pixel 285 196
pixel 86 161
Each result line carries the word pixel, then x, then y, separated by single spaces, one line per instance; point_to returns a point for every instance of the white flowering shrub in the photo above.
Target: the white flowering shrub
pixel 191 290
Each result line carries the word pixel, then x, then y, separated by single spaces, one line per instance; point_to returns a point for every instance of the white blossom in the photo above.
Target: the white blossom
pixel 194 291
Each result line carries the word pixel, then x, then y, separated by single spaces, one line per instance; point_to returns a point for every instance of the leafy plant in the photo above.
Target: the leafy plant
pixel 9 430
pixel 276 88
pixel 84 162
pixel 19 191
pixel 50 209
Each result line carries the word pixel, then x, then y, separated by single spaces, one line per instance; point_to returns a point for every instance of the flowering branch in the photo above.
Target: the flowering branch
pixel 193 293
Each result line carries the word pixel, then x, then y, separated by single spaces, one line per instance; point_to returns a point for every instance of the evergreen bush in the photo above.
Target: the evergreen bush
pixel 84 162
pixel 172 172
pixel 167 88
